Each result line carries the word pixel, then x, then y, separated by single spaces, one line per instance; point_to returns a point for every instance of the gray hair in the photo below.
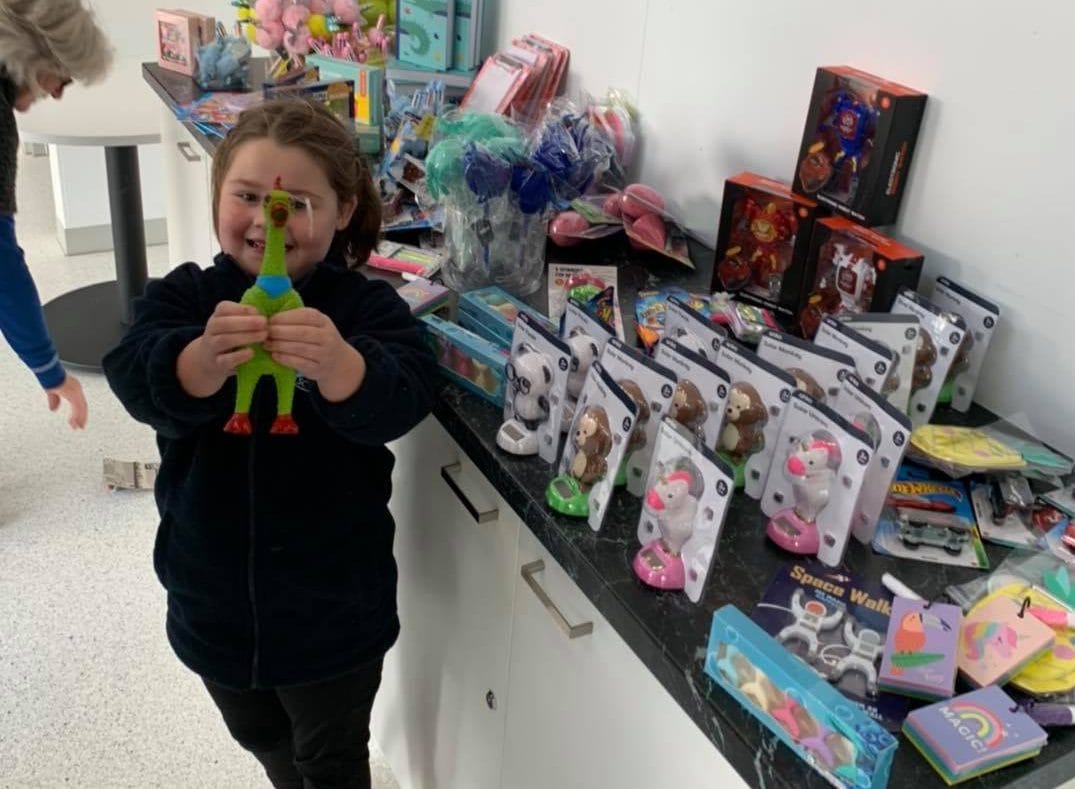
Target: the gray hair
pixel 60 36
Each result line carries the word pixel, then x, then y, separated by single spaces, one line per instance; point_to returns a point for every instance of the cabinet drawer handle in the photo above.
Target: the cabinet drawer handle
pixel 446 473
pixel 572 631
pixel 187 150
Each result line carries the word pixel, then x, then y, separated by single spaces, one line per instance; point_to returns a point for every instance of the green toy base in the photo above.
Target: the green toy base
pixel 945 397
pixel 566 497
pixel 739 468
pixel 621 475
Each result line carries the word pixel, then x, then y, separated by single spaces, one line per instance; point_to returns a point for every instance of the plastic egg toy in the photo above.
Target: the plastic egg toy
pixel 639 199
pixel 650 228
pixel 565 228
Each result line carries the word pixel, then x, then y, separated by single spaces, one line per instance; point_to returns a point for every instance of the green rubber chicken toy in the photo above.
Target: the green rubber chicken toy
pixel 271 293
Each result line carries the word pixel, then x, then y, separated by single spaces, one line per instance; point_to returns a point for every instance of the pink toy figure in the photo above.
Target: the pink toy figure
pixel 673 504
pixel 378 38
pixel 812 469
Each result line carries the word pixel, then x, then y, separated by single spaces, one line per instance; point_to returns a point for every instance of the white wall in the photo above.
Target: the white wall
pixel 724 86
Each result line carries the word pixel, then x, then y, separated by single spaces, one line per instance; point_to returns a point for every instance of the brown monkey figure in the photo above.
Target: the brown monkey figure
pixel 689 408
pixel 593 442
pixel 638 434
pixel 925 356
pixel 807 383
pixel 744 419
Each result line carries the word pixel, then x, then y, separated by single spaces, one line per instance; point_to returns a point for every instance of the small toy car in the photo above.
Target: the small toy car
pixel 1009 495
pixel 939 529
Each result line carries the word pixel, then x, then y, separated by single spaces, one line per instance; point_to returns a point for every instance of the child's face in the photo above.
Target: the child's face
pixel 255 165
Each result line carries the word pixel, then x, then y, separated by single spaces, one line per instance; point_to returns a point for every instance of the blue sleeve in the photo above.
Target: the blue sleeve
pixel 21 320
pixel 401 370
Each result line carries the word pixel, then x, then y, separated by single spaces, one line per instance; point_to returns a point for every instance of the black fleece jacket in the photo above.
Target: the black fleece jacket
pixel 276 551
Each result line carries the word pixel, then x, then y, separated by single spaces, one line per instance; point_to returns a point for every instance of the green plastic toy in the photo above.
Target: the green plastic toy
pixel 271 293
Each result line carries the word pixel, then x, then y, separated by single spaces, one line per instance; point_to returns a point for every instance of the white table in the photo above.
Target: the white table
pixel 118 114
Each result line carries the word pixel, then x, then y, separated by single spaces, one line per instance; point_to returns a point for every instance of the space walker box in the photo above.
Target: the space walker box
pixel 857 145
pixel 835 623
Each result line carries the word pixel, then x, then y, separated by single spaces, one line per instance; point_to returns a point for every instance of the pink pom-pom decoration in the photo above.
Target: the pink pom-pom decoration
pixel 318 6
pixel 268 11
pixel 269 35
pixel 297 42
pixel 346 11
pixel 295 16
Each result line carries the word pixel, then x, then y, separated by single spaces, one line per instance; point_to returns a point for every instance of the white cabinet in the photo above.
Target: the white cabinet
pixel 188 202
pixel 585 712
pixel 439 717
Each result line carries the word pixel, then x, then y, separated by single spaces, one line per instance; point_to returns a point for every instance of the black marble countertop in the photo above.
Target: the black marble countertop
pixel 665 630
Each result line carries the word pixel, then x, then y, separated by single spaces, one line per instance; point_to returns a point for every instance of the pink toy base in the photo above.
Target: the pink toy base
pixel 658 568
pixel 792 533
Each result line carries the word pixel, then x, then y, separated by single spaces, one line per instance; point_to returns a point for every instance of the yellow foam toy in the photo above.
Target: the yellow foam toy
pixel 965 446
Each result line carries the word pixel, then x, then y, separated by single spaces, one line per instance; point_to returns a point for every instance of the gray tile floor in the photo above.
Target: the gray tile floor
pixel 90 692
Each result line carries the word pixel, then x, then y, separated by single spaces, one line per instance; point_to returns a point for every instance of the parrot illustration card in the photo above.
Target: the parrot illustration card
pixel 973 734
pixel 835 623
pixel 998 639
pixel 920 650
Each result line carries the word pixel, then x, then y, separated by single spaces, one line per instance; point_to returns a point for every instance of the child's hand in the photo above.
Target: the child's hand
pixel 209 360
pixel 308 341
pixel 71 391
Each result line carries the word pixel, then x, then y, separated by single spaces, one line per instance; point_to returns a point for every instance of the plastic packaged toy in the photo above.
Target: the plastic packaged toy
pixel 1000 519
pixel 889 430
pixel 569 280
pixel 834 622
pixel 604 420
pixel 753 414
pixel 651 311
pixel 762 242
pixel 586 335
pixel 812 494
pixel 875 363
pixel 945 332
pixel 491 313
pixel 959 451
pixel 899 333
pixel 815 368
pixel 687 495
pixel 537 374
pixel 745 321
pixel 858 143
pixel 981 318
pixel 468 359
pixel 828 731
pixel 685 323
pixel 701 391
pixel 651 386
pixel 852 269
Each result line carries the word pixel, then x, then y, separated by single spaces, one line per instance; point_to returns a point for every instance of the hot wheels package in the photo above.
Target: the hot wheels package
pixel 701 391
pixel 537 375
pixel 981 318
pixel 688 492
pixel 651 386
pixel 692 329
pixel 816 369
pixel 753 414
pixel 889 430
pixel 586 335
pixel 875 363
pixel 604 420
pixel 940 342
pixel 813 490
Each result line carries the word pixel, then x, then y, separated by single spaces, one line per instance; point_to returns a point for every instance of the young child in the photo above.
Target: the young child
pixel 276 550
pixel 43 47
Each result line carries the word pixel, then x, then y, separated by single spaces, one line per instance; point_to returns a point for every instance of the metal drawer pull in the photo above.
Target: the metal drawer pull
pixel 187 150
pixel 572 631
pixel 446 473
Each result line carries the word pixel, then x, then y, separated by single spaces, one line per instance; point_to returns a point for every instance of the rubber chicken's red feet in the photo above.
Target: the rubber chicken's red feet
pixel 239 424
pixel 284 425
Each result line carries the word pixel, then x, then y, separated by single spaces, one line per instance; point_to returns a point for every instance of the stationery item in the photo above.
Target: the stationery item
pixel 999 638
pixel 920 650
pixel 822 727
pixel 368 81
pixel 1048 714
pixel 899 588
pixel 974 734
pixel 179 34
pixel 337 95
pixel 469 21
pixel 423 296
pixel 404 258
pixel 491 313
pixel 467 359
pixel 495 86
pixel 425 32
pixel 835 623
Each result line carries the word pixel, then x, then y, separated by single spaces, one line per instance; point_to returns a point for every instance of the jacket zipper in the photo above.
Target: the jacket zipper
pixel 250 568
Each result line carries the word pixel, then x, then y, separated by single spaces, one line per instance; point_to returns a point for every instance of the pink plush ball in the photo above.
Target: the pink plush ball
pixel 346 11
pixel 564 228
pixel 295 15
pixel 298 42
pixel 611 206
pixel 650 228
pixel 318 6
pixel 269 35
pixel 268 11
pixel 639 199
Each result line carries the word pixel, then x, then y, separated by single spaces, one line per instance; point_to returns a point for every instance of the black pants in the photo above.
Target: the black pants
pixel 307 737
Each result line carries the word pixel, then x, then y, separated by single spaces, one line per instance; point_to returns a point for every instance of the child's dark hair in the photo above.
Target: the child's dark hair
pixel 314 129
